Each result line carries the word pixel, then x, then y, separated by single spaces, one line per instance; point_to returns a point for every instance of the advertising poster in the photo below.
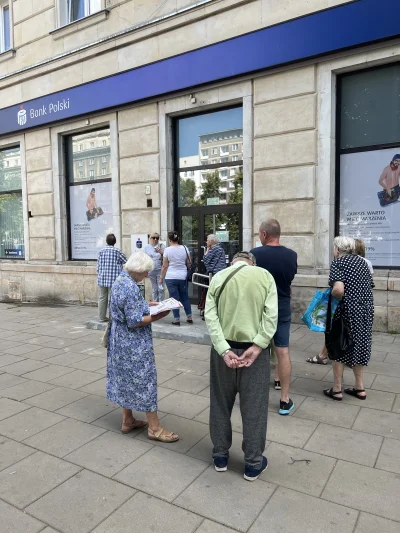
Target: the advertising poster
pixel 370 203
pixel 91 218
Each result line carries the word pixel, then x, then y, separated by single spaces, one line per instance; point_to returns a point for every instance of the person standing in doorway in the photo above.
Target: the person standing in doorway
pixel 156 251
pixel 109 265
pixel 281 262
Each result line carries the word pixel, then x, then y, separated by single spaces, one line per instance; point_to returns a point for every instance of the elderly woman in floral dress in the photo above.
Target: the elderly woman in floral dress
pixel 131 369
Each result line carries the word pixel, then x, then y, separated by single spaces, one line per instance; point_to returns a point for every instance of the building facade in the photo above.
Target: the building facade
pixel 206 116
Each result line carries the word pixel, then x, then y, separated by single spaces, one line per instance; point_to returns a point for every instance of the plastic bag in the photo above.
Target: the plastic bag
pixel 315 316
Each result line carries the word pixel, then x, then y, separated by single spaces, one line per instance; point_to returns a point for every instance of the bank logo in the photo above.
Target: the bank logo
pixel 21 116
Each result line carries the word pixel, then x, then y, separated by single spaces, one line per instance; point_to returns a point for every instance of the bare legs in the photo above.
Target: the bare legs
pixel 358 371
pixel 284 371
pixel 338 369
pixel 152 419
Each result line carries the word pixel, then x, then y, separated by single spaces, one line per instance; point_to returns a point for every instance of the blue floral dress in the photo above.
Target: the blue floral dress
pixel 131 368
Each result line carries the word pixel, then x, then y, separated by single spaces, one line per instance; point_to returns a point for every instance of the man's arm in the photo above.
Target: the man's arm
pixel 382 179
pixel 122 258
pixel 269 318
pixel 212 321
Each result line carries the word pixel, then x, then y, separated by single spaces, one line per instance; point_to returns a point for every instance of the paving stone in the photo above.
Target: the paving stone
pixel 162 392
pixel 150 515
pixel 165 375
pixel 212 527
pixel 89 349
pixel 28 423
pixel 65 359
pixel 91 498
pixel 292 512
pixel 9 380
pixel 368 523
pixel 288 467
pixel 25 390
pixel 22 367
pixel 189 431
pixel 55 398
pixel 383 368
pixel 171 473
pixel 348 378
pixel 216 496
pixel 75 379
pixel 5 344
pixel 389 456
pixel 202 353
pixel 387 383
pixel 10 407
pixel 88 408
pixel 49 530
pixel 8 359
pixel 293 432
pixel 347 444
pixel 396 405
pixel 92 364
pixel 65 437
pixel 52 342
pixel 378 423
pixel 329 411
pixel 309 371
pixel 179 364
pixel 205 392
pixel 187 383
pixel 11 452
pixel 22 349
pixel 47 373
pixel 109 453
pixel 364 488
pixel 96 387
pixel 113 420
pixel 392 358
pixel 24 482
pixel 42 354
pixel 183 404
pixel 15 521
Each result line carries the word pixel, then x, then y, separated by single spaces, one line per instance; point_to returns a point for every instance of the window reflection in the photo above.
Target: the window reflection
pixel 91 156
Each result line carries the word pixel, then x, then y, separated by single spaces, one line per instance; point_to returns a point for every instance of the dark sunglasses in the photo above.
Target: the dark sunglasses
pixel 155 238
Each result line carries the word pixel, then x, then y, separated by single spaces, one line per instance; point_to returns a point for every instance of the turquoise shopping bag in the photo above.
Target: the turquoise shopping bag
pixel 315 316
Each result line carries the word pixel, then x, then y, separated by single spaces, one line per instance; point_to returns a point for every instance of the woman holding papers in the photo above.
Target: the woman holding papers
pixel 131 368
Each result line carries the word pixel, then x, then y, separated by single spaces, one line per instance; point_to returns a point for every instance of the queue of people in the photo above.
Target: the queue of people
pixel 247 312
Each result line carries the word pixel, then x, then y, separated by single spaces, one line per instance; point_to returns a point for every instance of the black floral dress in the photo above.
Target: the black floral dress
pixel 353 271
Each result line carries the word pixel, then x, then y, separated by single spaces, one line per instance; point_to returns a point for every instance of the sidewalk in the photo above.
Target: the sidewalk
pixel 65 467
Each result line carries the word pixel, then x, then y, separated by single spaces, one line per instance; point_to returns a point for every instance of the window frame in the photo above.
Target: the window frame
pixel 3 7
pixel 63 17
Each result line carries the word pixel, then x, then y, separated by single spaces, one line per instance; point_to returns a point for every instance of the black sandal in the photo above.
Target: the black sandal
pixel 189 321
pixel 176 323
pixel 332 394
pixel 355 393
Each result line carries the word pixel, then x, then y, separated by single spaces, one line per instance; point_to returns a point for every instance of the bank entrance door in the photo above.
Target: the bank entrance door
pixel 196 223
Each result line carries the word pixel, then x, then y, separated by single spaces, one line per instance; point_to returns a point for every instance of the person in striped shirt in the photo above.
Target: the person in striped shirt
pixel 214 257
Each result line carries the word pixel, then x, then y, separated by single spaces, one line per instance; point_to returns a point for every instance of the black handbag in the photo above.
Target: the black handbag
pixel 338 338
pixel 190 269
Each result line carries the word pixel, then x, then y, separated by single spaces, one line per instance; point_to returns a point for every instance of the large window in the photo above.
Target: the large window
pixel 11 216
pixel 72 10
pixel 5 27
pixel 89 192
pixel 369 161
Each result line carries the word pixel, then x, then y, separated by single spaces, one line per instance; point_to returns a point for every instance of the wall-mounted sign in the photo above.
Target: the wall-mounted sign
pixel 212 201
pixel 138 242
pixel 223 236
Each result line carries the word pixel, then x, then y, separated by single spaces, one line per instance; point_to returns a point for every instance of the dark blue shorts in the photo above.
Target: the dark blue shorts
pixel 282 335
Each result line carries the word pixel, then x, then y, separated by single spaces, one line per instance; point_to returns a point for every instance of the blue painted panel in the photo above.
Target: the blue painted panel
pixel 328 31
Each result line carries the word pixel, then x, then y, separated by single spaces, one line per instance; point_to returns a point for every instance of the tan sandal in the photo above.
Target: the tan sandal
pixel 162 435
pixel 136 424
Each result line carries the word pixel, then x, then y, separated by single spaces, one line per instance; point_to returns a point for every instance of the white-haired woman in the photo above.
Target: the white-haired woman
pixel 350 279
pixel 131 368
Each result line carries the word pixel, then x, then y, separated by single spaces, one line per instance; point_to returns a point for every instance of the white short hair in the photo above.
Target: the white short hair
pixel 344 245
pixel 213 238
pixel 139 262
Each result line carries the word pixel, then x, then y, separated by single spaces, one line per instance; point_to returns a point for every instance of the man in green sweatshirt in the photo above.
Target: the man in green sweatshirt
pixel 241 315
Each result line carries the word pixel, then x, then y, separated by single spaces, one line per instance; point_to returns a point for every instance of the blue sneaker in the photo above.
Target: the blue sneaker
pixel 251 474
pixel 286 407
pixel 221 464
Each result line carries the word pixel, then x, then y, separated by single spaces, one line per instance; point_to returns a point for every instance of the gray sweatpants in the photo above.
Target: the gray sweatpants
pixel 252 384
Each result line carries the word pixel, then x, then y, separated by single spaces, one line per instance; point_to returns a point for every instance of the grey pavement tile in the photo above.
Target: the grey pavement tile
pixel 189 431
pixel 389 456
pixel 179 364
pixel 378 356
pixel 91 363
pixel 22 349
pixel 366 489
pixel 65 359
pixel 75 379
pixel 91 498
pixel 205 392
pixel 42 354
pixel 64 437
pixel 19 336
pixel 216 496
pixel 200 352
pixel 378 423
pixel 383 368
pixel 187 383
pixel 8 359
pixel 387 383
pixel 88 408
pixel 109 453
pixel 162 392
pixel 328 411
pixel 92 349
pixel 52 342
pixel 14 521
pixel 212 527
pixel 150 515
pixel 390 348
pixel 26 481
pixel 183 404
pixel 392 358
pixel 300 357
pixel 304 346
pixel 22 367
pixel 165 375
pixel 309 371
pixel 23 425
pixel 289 430
pixel 346 444
pixel 287 466
pixel 49 530
pixel 9 380
pixel 396 405
pixel 171 473
pixel 48 373
pixel 348 378
pixel 368 523
pixel 55 398
pixel 10 407
pixel 25 390
pixel 292 512
pixel 12 452
pixel 96 387
pixel 5 344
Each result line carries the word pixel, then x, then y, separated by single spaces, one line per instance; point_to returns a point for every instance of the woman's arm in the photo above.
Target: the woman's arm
pixel 149 319
pixel 164 268
pixel 338 289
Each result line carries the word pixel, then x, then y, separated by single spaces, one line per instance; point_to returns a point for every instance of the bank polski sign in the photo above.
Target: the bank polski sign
pixel 50 108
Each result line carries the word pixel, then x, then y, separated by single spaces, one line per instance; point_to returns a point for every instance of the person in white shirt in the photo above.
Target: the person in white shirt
pixel 156 251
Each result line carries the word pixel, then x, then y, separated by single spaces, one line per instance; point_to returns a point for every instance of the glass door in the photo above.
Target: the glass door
pixel 189 231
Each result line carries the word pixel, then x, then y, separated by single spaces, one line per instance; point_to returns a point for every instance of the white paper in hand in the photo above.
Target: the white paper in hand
pixel 165 305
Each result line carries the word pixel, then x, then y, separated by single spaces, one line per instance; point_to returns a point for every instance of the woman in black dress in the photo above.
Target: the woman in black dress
pixel 350 279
